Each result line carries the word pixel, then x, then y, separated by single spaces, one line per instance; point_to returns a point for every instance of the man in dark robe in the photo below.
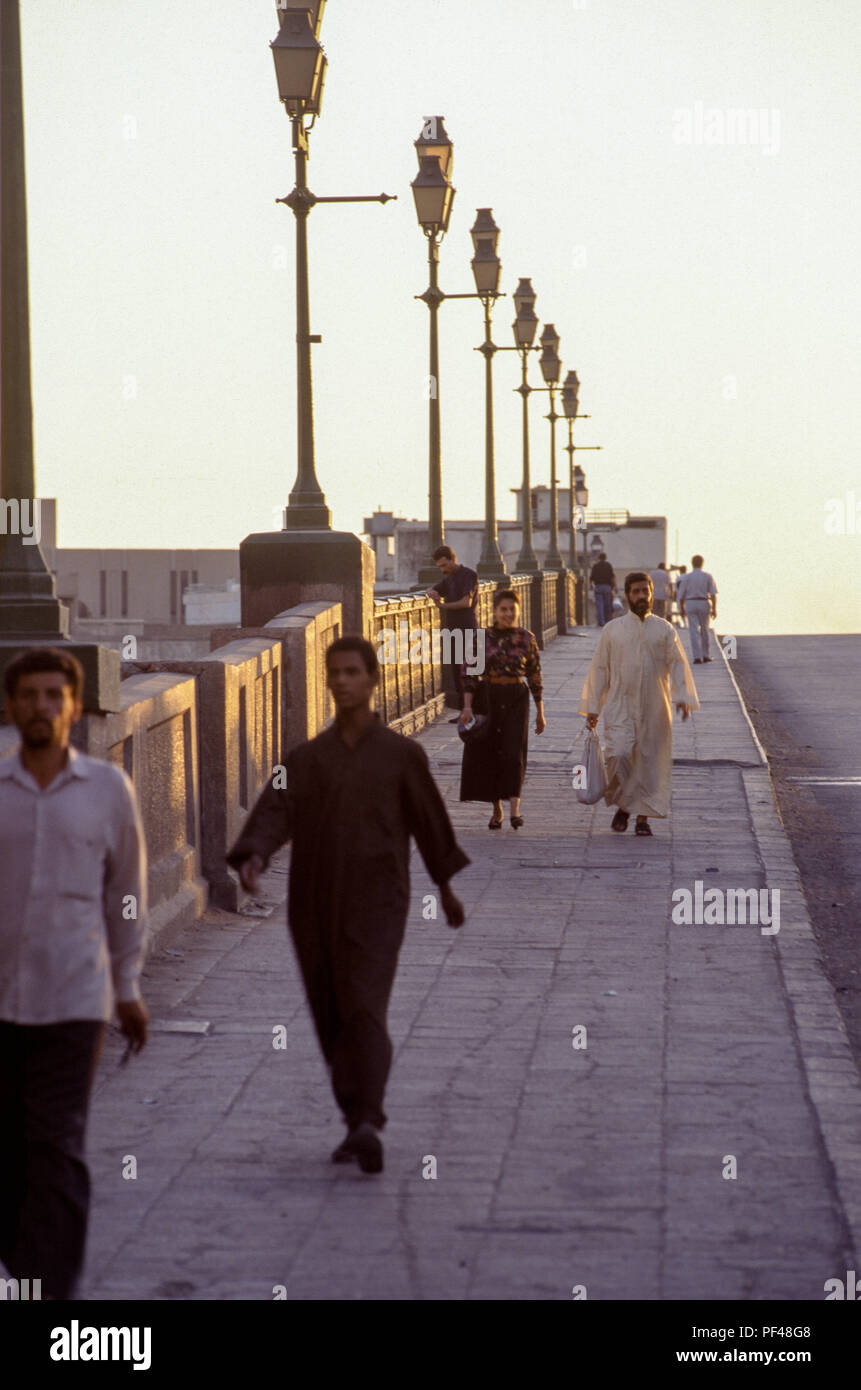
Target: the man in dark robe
pixel 350 799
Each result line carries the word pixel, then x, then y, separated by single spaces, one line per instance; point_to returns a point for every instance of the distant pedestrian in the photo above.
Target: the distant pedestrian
pixel 351 799
pixel 697 594
pixel 494 765
pixel 662 586
pixel 639 671
pixel 72 928
pixel 603 580
pixel 456 595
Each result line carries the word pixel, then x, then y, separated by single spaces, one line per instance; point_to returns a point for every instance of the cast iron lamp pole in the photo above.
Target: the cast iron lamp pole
pixel 486 269
pixel 300 69
pixel 525 326
pixel 570 399
pixel 29 607
pixel 551 368
pixel 433 192
pixel 434 195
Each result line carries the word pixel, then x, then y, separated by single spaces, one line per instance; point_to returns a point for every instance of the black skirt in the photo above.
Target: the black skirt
pixel 494 765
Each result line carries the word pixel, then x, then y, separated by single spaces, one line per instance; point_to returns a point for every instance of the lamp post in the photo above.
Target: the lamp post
pixel 486 269
pixel 433 193
pixel 300 70
pixel 551 368
pixel 578 494
pixel 525 327
pixel 31 614
pixel 29 607
pixel 581 493
pixel 570 401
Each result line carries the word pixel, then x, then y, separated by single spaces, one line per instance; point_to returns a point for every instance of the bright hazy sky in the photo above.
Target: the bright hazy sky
pixel 708 293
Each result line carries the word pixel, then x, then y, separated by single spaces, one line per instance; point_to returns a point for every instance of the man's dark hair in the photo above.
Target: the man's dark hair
pixel 505 593
pixel 35 659
pixel 603 555
pixel 365 649
pixel 444 552
pixel 697 561
pixel 662 565
pixel 636 577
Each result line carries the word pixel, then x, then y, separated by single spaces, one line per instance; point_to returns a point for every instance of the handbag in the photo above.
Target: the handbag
pixel 595 780
pixel 476 731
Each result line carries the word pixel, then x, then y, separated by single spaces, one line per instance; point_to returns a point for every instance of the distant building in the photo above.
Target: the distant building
pixel 171 587
pixel 630 542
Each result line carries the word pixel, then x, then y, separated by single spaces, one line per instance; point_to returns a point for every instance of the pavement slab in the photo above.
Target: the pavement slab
pixel 585 1091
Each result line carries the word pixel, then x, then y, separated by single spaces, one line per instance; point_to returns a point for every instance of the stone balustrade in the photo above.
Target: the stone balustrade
pixel 200 737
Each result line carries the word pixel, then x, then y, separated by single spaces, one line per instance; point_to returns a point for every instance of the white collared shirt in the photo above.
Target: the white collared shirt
pixel 696 584
pixel 662 585
pixel 73 878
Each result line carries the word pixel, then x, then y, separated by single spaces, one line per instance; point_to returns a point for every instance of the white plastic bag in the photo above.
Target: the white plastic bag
pixel 593 777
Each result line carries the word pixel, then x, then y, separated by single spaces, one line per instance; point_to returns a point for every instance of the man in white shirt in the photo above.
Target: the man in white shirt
pixel 697 595
pixel 72 932
pixel 662 591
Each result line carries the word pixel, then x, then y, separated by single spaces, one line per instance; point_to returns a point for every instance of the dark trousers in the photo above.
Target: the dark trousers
pixel 452 673
pixel 46 1074
pixel 349 999
pixel 603 603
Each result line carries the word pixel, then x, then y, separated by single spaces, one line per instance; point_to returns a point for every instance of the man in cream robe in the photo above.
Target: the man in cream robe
pixel 639 671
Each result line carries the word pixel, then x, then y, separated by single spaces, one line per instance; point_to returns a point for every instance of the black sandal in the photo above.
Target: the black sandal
pixel 516 822
pixel 620 821
pixel 642 827
pixel 494 824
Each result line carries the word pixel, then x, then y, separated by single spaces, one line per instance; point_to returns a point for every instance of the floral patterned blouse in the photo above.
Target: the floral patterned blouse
pixel 509 651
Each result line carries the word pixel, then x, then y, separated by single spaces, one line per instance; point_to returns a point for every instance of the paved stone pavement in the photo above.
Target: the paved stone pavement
pixel 556 1166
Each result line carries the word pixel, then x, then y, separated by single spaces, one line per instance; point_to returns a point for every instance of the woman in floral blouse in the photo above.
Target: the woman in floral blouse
pixel 494 765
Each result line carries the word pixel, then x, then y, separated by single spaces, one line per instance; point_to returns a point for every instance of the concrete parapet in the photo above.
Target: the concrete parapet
pixel 154 738
pixel 305 632
pixel 239 712
pixel 411 681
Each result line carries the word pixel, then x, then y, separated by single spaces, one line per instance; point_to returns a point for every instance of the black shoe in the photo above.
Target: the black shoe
pixel 708 658
pixel 620 821
pixel 516 822
pixel 698 661
pixel 366 1145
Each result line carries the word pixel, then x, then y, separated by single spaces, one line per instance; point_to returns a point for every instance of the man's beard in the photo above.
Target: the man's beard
pixel 41 737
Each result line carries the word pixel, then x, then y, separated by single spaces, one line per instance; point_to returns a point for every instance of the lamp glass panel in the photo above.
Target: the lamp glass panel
pixel 434 143
pixel 525 327
pixel 430 203
pixel 486 270
pixel 550 367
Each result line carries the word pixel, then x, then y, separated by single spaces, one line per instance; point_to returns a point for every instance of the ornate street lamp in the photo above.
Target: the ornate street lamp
pixel 433 193
pixel 486 268
pixel 300 71
pixel 570 396
pixel 434 143
pixel 300 63
pixel 551 368
pixel 525 327
pixel 578 493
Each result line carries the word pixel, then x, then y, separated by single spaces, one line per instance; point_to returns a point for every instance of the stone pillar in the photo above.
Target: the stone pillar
pixel 281 569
